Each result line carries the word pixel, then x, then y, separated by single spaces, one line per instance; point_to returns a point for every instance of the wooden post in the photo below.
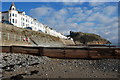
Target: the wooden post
pixel 11 51
pixel 40 51
pixel 113 53
pixel 88 54
pixel 64 52
pixel 109 45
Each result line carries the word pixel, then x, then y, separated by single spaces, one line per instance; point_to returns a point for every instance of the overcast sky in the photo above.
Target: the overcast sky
pixel 92 17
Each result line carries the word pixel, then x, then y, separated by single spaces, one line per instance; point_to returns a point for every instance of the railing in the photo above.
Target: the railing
pixel 14 37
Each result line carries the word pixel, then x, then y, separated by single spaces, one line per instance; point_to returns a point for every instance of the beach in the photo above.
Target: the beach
pixel 28 66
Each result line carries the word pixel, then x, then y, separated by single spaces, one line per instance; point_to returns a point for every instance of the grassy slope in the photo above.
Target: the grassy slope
pixel 87 37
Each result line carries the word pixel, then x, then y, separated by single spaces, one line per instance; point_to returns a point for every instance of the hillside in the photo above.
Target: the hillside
pixel 12 35
pixel 87 38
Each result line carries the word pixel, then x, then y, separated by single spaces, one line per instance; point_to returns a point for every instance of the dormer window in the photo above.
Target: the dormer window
pixel 23 13
pixel 13 8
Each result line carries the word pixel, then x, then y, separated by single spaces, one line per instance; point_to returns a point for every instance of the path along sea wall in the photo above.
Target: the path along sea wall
pixel 12 35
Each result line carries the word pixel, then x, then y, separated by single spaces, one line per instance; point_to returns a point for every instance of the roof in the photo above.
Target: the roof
pixel 4 11
pixel 12 5
pixel 20 11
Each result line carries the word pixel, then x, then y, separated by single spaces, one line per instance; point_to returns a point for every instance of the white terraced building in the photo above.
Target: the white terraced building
pixel 20 19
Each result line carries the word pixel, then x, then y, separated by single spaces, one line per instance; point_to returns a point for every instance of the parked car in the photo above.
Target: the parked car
pixel 28 28
pixel 6 22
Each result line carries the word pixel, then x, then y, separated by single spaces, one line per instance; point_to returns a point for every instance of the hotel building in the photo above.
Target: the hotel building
pixel 20 19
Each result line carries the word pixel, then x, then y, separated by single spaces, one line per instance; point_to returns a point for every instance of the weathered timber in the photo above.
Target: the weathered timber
pixel 23 49
pixel 65 52
pixel 51 52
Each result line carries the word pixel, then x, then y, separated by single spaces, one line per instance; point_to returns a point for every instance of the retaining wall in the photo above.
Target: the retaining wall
pixel 65 52
pixel 11 35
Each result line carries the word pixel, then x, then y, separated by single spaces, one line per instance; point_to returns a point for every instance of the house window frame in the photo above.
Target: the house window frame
pixel 13 14
pixel 13 20
pixel 16 21
pixel 3 17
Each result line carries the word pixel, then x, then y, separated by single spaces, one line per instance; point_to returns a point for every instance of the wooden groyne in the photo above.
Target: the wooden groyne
pixel 65 52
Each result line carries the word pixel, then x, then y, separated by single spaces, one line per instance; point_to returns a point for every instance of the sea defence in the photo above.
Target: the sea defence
pixel 66 52
pixel 12 35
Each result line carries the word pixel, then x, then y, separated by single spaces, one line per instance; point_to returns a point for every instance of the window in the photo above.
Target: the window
pixel 13 14
pixel 10 20
pixel 16 21
pixel 23 24
pixel 10 14
pixel 13 20
pixel 2 17
pixel 13 8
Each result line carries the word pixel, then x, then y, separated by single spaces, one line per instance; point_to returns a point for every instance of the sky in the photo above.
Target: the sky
pixel 91 17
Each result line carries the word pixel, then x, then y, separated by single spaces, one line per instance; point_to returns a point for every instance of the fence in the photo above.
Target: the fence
pixel 13 37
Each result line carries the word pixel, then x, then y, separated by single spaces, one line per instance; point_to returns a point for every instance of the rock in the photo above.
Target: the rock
pixel 17 77
pixel 19 64
pixel 87 67
pixel 24 74
pixel 34 72
pixel 8 67
pixel 8 70
pixel 34 64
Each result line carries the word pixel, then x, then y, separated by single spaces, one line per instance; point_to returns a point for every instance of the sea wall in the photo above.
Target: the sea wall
pixel 12 35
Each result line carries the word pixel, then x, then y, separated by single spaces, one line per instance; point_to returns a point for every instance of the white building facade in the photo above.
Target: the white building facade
pixel 20 19
pixel 0 17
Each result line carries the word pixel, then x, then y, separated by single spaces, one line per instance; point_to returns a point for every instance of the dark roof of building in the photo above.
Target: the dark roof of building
pixel 20 11
pixel 12 5
pixel 4 11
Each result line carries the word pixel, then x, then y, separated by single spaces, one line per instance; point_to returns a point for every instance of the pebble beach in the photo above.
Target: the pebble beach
pixel 28 66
